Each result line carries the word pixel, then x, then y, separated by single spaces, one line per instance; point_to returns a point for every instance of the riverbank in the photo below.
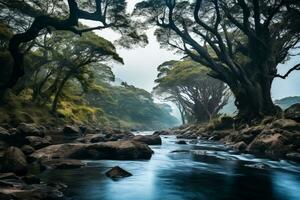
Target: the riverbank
pixel 27 150
pixel 276 138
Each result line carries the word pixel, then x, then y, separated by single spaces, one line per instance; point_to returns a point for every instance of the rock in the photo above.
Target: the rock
pixel 163 132
pixel 293 156
pixel 119 150
pixel 62 164
pixel 4 134
pixel 269 143
pixel 293 112
pixel 92 138
pixel 257 166
pixel 14 160
pixel 30 192
pixel 38 142
pixel 224 123
pixel 181 142
pixel 117 172
pixel 70 130
pixel 218 135
pixel 27 149
pixel 187 135
pixel 180 151
pixel 9 175
pixel 241 146
pixel 286 124
pixel 30 130
pixel 193 141
pixel 148 139
pixel 31 179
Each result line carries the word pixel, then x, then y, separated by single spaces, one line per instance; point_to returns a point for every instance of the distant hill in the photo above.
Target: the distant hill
pixel 287 101
pixel 284 103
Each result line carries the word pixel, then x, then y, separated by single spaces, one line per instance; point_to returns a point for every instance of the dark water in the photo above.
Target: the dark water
pixel 220 174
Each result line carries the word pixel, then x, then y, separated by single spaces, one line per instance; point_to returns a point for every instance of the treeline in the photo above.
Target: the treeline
pixel 67 78
pixel 241 43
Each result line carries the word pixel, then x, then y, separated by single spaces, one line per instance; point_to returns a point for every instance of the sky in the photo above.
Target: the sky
pixel 141 63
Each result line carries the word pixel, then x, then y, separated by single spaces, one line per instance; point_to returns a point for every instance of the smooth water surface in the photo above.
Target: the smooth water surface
pixel 184 175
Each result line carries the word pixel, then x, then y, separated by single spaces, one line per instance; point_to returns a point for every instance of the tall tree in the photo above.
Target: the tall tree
pixel 248 39
pixel 198 96
pixel 65 15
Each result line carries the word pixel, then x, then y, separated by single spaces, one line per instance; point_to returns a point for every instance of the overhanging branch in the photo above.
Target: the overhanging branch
pixel 296 67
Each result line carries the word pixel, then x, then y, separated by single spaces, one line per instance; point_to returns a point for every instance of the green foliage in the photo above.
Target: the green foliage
pixel 186 83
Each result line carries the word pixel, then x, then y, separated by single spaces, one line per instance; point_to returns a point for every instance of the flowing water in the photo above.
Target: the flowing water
pixel 205 170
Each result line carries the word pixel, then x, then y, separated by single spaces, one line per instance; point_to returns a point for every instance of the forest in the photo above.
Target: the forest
pixel 72 123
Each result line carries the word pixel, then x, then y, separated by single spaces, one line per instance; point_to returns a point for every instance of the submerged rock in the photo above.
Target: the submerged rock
pixel 180 151
pixel 181 142
pixel 117 172
pixel 31 179
pixel 257 166
pixel 148 139
pixel 293 156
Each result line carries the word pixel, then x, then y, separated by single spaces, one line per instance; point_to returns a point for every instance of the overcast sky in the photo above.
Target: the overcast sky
pixel 141 63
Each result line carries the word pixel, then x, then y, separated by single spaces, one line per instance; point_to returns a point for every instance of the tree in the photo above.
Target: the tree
pixel 65 15
pixel 187 85
pixel 241 42
pixel 77 56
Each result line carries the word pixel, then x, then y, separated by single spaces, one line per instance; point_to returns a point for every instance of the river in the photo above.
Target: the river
pixel 187 174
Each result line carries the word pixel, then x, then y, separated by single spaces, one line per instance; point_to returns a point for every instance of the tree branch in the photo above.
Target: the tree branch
pixel 296 67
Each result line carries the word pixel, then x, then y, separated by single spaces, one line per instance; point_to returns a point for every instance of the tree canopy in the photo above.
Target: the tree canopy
pixel 198 96
pixel 241 42
pixel 63 15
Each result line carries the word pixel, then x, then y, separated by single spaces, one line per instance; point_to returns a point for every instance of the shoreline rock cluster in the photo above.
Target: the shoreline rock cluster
pixel 272 137
pixel 31 146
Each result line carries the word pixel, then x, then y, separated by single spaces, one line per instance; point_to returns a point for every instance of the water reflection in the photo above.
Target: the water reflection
pixel 218 174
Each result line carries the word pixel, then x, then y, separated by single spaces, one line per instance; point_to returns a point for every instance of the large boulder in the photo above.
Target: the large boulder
pixel 293 112
pixel 38 142
pixel 117 150
pixel 71 130
pixel 245 135
pixel 30 130
pixel 286 124
pixel 148 139
pixel 14 160
pixel 270 143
